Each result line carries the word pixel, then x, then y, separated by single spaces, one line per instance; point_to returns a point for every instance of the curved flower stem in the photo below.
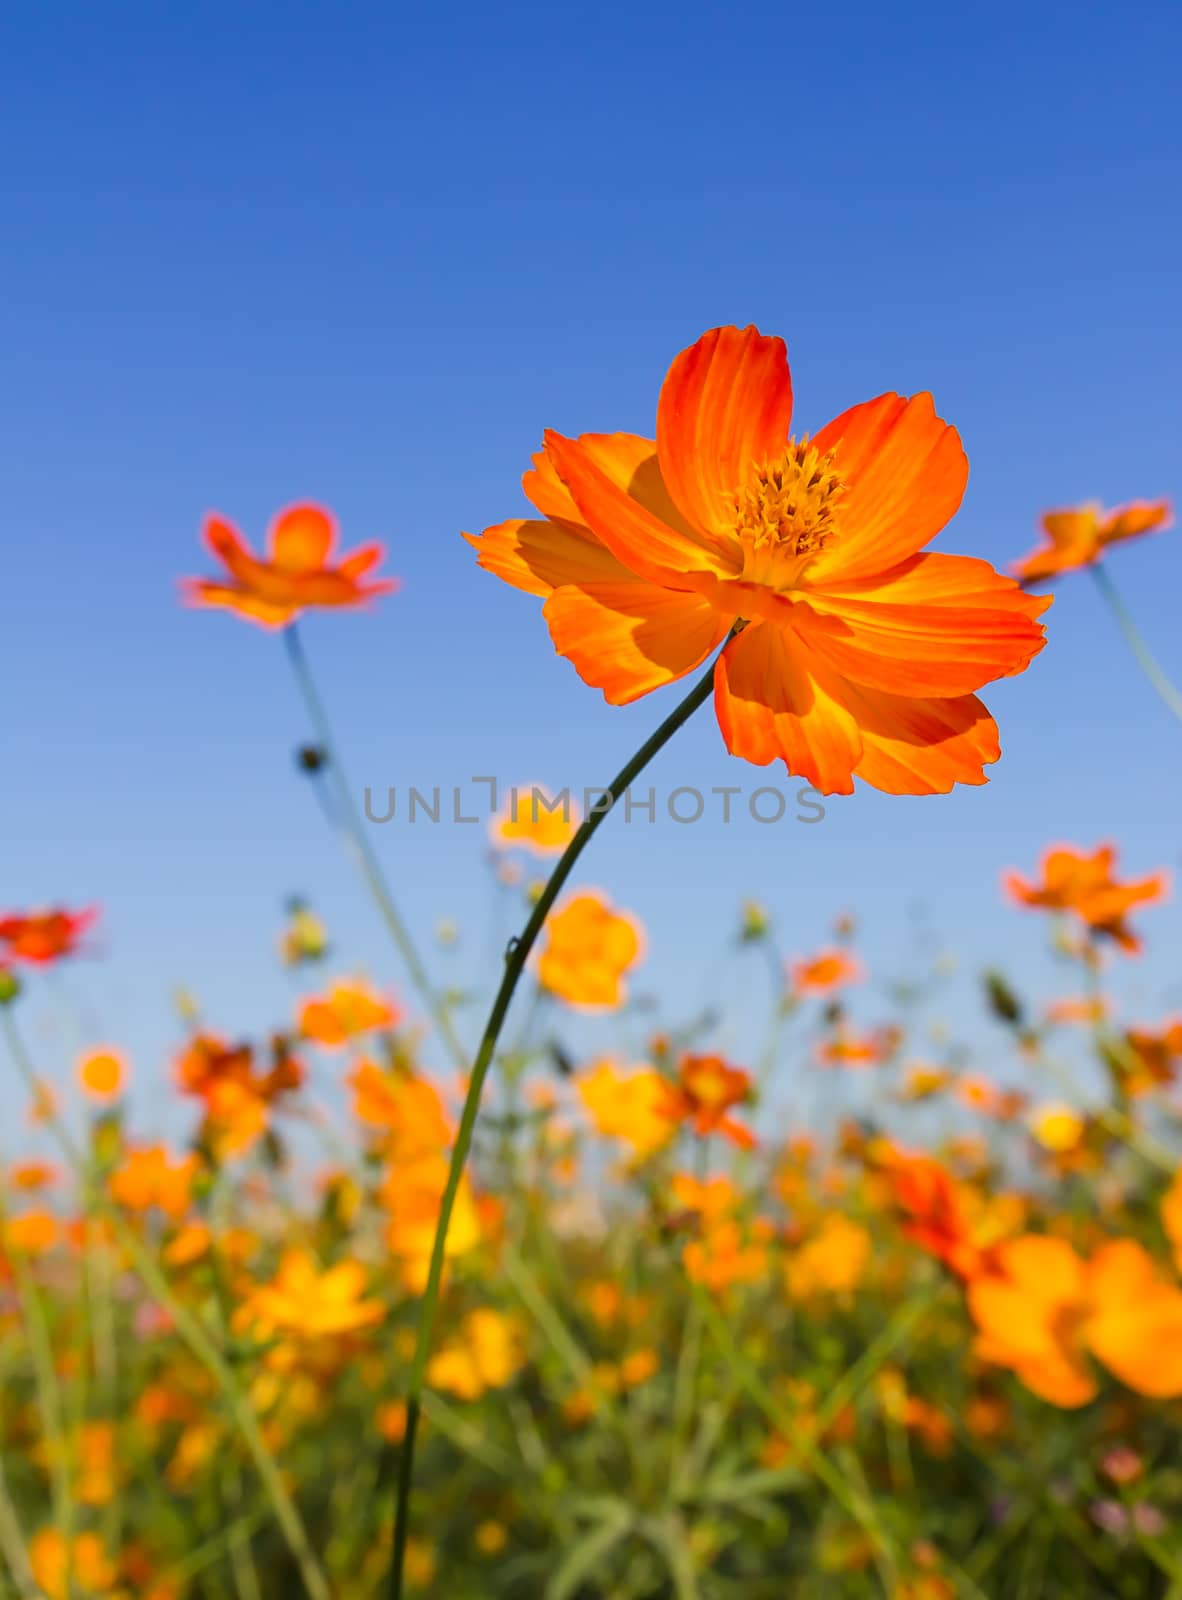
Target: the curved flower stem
pixel 1165 689
pixel 515 959
pixel 353 834
pixel 195 1334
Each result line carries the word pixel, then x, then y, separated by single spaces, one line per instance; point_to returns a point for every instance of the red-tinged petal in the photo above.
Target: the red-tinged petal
pixel 917 746
pixel 269 614
pixel 362 560
pixel 540 556
pixel 906 474
pixel 725 407
pixel 301 538
pixel 770 706
pixel 629 637
pixel 231 550
pixel 622 498
pixel 937 625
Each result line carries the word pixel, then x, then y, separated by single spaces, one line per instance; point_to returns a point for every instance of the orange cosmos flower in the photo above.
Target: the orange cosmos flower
pixel 531 819
pixel 296 574
pixel 31 1176
pixel 41 937
pixel 589 947
pixel 304 1302
pixel 102 1073
pixel 849 1049
pixel 943 1217
pixel 833 1261
pixel 58 1566
pixel 831 969
pixel 1078 537
pixel 33 1234
pixel 1084 885
pixel 488 1351
pixel 1083 1008
pixel 859 651
pixel 627 1105
pixel 1046 1310
pixel 348 1010
pixel 149 1178
pixel 706 1090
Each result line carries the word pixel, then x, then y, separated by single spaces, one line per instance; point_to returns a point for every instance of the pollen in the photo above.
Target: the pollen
pixel 785 514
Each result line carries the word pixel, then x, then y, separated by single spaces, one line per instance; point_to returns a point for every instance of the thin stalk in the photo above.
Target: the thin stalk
pixel 1157 678
pixel 12 1543
pixel 352 831
pixel 515 961
pixel 193 1331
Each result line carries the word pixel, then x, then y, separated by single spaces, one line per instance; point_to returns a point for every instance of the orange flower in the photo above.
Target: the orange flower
pixel 348 1010
pixel 487 1352
pixel 589 947
pixel 627 1105
pixel 858 652
pixel 848 1049
pixel 832 969
pixel 1078 537
pixel 533 820
pixel 412 1197
pixel 58 1566
pixel 306 1303
pixel 706 1090
pixel 943 1217
pixel 1074 881
pixel 41 937
pixel 402 1105
pixel 102 1073
pixel 274 592
pixel 33 1234
pixel 30 1176
pixel 831 1262
pixel 1046 1310
pixel 149 1179
pixel 1081 1008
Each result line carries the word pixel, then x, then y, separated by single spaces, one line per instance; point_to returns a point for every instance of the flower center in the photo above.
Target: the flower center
pixel 785 515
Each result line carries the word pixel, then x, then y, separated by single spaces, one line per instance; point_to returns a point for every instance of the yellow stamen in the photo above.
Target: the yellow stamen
pixel 784 515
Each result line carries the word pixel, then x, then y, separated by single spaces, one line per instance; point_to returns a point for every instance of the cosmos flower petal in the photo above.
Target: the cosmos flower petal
pixel 623 500
pixel 770 707
pixel 725 406
pixel 905 471
pixel 301 538
pixel 629 637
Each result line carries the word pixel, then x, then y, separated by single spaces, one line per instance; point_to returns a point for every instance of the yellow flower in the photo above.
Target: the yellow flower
pixel 486 1354
pixel 831 1262
pixel 628 1105
pixel 532 819
pixel 306 1303
pixel 1057 1128
pixel 589 947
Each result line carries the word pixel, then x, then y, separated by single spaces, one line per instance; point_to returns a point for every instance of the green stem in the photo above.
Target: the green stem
pixel 515 961
pixel 357 845
pixel 193 1331
pixel 1165 689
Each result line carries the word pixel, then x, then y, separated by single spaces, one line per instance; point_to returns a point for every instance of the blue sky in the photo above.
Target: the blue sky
pixel 365 254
